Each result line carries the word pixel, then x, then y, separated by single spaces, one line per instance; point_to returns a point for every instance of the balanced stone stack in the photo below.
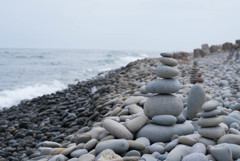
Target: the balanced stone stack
pixel 163 108
pixel 194 71
pixel 235 84
pixel 210 121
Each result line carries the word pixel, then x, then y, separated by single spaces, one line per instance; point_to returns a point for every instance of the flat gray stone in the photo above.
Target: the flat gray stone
pixel 195 157
pixel 211 113
pixel 171 145
pixel 167 120
pixel 163 86
pixel 117 145
pixel 196 98
pixel 170 55
pixel 156 148
pixel 210 105
pixel 90 144
pixel 133 153
pixel 164 71
pixel 158 133
pixel 186 140
pixel 77 153
pixel 211 132
pixel 117 129
pixel 229 138
pixel 163 105
pixel 221 153
pixel 168 61
pixel 50 144
pixel 210 122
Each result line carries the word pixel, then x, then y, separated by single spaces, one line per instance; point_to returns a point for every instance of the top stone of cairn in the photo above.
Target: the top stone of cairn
pixel 170 55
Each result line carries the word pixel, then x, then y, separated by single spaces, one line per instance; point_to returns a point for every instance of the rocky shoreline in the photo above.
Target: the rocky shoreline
pixel 87 119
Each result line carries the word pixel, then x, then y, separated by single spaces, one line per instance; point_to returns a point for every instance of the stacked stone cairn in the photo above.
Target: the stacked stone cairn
pixel 210 121
pixel 164 108
pixel 235 84
pixel 194 71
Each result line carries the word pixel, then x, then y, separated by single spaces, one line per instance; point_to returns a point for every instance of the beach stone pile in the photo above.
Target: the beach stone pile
pixel 194 72
pixel 164 108
pixel 235 84
pixel 210 121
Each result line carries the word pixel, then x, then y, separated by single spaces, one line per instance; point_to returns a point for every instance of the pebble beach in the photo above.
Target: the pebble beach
pixel 173 108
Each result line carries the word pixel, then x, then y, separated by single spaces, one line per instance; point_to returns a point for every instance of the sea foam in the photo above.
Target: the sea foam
pixel 9 98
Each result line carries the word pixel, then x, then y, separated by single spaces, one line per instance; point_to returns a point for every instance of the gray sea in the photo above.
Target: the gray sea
pixel 29 73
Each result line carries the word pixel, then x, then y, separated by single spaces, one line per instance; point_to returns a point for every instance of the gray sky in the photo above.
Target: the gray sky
pixel 166 25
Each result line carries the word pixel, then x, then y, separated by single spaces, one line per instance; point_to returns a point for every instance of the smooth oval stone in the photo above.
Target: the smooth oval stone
pixel 170 55
pixel 187 140
pixel 210 105
pixel 133 153
pixel 117 145
pixel 86 157
pixel 196 98
pixel 135 145
pixel 211 132
pixel 195 157
pixel 164 120
pixel 180 119
pixel 198 148
pixel 163 105
pixel 117 129
pixel 171 145
pixel 168 61
pixel 178 152
pixel 221 154
pixel 156 148
pixel 163 86
pixel 136 123
pixel 229 138
pixel 50 144
pixel 158 133
pixel 210 122
pixel 90 144
pixel 77 153
pixel 164 71
pixel 234 148
pixel 211 113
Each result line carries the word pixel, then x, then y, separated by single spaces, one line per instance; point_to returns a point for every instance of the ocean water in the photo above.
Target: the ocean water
pixel 29 73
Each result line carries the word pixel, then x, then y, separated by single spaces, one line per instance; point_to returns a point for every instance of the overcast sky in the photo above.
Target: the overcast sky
pixel 165 25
